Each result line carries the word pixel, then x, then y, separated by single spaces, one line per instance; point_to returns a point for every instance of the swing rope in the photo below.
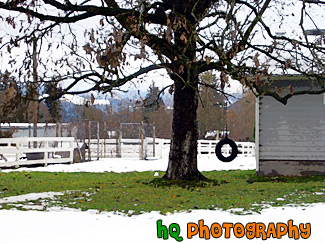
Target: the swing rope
pixel 226 119
pixel 225 141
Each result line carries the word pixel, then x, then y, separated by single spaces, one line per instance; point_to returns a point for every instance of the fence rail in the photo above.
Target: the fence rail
pixel 131 148
pixel 115 143
pixel 52 150
pixel 38 150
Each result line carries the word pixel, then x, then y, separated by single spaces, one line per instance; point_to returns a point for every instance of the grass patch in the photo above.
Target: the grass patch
pixel 137 192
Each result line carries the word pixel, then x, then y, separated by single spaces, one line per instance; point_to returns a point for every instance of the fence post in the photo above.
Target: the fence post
pixel 142 141
pixel 75 136
pixel 70 130
pixel 72 151
pixel 97 140
pixel 89 135
pixel 61 127
pixel 119 143
pixel 29 133
pixel 161 147
pixel 18 146
pixel 56 134
pixel 46 145
pixel 105 132
pixel 154 141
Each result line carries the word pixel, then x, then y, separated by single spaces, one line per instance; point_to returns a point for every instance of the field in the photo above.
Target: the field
pixel 136 192
pixel 113 188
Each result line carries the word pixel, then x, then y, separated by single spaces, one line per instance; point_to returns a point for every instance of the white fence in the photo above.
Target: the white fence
pixel 245 149
pixel 15 151
pixel 132 148
pixel 128 148
pixel 52 150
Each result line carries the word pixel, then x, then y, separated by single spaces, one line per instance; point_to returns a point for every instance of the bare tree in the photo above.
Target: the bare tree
pixel 236 38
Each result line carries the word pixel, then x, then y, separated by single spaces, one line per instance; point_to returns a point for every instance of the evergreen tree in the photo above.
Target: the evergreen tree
pixel 211 113
pixel 52 102
pixel 152 102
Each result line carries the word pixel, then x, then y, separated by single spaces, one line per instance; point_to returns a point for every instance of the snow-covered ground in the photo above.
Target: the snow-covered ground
pixel 205 163
pixel 56 225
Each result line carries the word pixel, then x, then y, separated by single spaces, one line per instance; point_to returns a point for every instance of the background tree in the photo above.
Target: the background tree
pixel 91 113
pixel 152 102
pixel 12 106
pixel 162 120
pixel 211 114
pixel 241 118
pixel 155 112
pixel 53 105
pixel 183 37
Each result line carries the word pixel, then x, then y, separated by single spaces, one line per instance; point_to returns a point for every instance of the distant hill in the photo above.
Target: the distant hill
pixel 79 100
pixel 71 104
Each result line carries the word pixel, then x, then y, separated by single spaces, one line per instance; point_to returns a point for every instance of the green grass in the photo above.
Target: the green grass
pixel 241 191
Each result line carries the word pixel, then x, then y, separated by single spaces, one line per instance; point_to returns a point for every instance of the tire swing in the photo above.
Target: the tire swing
pixel 231 143
pixel 234 150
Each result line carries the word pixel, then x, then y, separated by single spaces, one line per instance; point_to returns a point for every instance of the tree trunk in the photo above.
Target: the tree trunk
pixel 182 163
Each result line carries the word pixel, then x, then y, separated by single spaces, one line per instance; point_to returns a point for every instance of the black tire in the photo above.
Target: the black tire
pixel 234 150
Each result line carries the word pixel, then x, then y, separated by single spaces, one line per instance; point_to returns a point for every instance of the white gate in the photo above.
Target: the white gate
pixel 46 150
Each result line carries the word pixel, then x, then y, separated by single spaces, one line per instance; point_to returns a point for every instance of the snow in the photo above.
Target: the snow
pixel 118 165
pixel 78 100
pixel 73 99
pixel 30 197
pixel 26 125
pixel 62 225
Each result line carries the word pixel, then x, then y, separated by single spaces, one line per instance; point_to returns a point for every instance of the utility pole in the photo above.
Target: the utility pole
pixel 34 90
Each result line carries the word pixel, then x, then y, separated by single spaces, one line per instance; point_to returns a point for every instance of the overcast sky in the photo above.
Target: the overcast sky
pixel 290 25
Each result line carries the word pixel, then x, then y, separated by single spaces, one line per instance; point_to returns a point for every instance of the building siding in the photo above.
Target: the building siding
pixel 295 131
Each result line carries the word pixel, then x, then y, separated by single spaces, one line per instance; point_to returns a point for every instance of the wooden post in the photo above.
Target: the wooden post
pixel 57 129
pixel 142 141
pixel 71 153
pixel 154 141
pixel 18 146
pixel 97 140
pixel 105 132
pixel 56 144
pixel 119 143
pixel 76 139
pixel 70 130
pixel 29 134
pixel 89 136
pixel 61 132
pixel 46 153
pixel 161 147
pixel 35 93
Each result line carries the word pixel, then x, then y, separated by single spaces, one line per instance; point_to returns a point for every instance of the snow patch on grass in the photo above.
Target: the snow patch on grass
pixel 30 197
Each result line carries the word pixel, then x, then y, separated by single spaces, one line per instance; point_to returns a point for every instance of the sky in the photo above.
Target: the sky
pixel 288 25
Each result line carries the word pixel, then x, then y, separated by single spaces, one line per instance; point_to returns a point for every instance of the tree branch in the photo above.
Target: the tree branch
pixel 119 82
pixel 313 1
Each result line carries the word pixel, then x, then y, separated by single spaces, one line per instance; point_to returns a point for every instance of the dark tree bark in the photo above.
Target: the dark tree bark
pixel 183 149
pixel 182 164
